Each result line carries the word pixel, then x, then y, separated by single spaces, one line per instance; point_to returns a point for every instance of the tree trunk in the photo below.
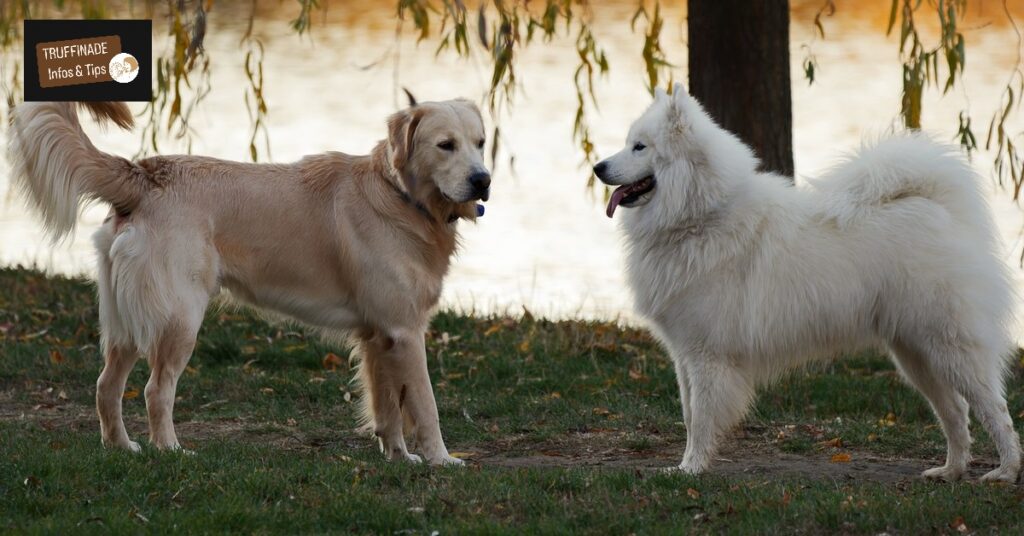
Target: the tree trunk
pixel 739 71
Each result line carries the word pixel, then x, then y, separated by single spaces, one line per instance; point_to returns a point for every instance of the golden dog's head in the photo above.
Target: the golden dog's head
pixel 438 150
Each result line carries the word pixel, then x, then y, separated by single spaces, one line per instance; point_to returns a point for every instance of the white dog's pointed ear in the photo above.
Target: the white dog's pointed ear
pixel 678 89
pixel 659 94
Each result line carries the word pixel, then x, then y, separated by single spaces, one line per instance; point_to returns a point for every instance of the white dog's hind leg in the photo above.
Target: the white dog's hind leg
pixel 948 405
pixel 118 363
pixel 989 405
pixel 719 397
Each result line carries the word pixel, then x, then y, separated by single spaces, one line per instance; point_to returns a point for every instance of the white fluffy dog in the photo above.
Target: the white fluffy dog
pixel 743 276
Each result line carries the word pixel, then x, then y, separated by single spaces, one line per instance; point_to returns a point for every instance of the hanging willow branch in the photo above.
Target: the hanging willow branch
pixel 921 66
pixel 503 29
pixel 182 76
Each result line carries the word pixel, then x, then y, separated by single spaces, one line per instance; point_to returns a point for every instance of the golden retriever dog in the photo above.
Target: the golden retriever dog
pixel 347 244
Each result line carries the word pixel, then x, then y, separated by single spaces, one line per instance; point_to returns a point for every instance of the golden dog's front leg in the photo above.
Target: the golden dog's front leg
pixel 382 409
pixel 417 400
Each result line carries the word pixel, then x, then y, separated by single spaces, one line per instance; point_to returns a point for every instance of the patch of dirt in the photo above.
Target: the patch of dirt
pixel 747 456
pixel 740 458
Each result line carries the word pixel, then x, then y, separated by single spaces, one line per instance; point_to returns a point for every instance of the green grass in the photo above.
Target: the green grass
pixel 562 422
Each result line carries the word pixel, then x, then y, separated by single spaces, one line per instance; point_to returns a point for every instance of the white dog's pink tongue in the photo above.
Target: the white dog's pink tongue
pixel 617 195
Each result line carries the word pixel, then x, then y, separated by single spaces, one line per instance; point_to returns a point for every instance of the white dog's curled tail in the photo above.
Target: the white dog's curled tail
pixel 906 166
pixel 56 167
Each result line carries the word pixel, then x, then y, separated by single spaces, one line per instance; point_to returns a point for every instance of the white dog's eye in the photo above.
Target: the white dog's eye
pixel 446 145
pixel 639 147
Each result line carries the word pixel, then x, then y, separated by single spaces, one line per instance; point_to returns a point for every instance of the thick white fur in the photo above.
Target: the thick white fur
pixel 743 276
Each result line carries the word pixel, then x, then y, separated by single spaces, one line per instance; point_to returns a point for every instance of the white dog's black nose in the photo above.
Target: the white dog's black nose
pixel 480 181
pixel 600 168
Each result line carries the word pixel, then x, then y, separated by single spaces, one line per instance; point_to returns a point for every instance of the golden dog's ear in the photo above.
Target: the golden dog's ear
pixel 401 136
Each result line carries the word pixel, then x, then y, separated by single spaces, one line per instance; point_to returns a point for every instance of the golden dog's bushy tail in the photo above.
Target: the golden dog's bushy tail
pixel 56 167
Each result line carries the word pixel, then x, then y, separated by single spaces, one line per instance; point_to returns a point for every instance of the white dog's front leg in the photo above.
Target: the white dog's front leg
pixel 684 392
pixel 719 397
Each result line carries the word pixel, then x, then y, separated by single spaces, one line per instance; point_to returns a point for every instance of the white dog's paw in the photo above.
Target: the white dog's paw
pixel 946 472
pixel 1001 474
pixel 691 468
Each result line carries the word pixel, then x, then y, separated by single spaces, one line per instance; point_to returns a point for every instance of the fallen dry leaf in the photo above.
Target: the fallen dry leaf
pixel 56 357
pixel 130 394
pixel 694 494
pixel 842 457
pixel 332 361
pixel 267 391
pixel 637 375
pixel 958 524
pixel 834 442
pixel 461 455
pixel 492 330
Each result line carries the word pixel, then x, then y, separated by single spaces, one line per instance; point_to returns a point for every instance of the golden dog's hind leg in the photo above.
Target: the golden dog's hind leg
pixel 167 361
pixel 118 363
pixel 382 400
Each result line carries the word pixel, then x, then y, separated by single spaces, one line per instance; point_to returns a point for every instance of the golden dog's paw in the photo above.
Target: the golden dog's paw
pixel 448 461
pixel 403 456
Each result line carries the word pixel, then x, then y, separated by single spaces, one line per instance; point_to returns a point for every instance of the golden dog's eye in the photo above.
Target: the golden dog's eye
pixel 480 144
pixel 447 145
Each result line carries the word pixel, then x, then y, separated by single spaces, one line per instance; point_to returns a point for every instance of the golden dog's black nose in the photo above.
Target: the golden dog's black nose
pixel 481 183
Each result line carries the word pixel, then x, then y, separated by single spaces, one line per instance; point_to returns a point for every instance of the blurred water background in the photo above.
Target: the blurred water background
pixel 545 243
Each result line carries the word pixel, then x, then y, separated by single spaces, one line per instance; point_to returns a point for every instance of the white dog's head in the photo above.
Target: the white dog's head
pixel 670 147
pixel 437 147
